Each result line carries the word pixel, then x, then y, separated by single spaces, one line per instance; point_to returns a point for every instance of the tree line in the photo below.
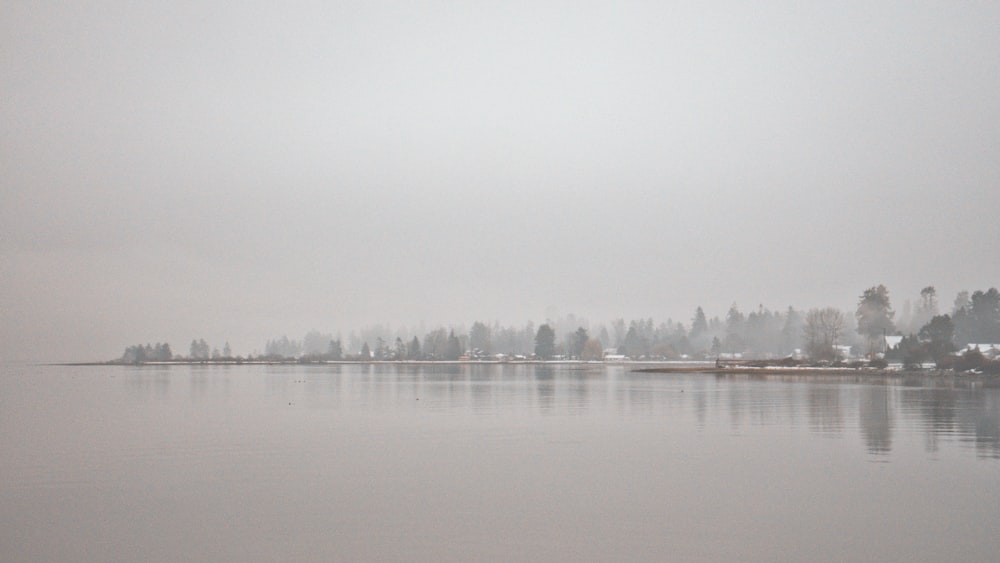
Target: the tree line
pixel 822 334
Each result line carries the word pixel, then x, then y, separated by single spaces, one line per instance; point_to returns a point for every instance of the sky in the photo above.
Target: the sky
pixel 240 171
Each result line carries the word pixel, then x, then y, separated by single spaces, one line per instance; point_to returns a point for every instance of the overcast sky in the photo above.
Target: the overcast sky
pixel 239 172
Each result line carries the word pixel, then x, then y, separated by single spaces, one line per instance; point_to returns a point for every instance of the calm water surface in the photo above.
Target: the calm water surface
pixel 430 463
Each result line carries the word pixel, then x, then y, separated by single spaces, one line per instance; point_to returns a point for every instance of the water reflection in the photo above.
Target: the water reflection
pixel 987 417
pixel 873 411
pixel 826 414
pixel 876 420
pixel 431 463
pixel 148 382
pixel 955 408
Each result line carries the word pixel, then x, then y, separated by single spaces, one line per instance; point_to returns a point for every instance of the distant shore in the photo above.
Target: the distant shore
pixel 637 366
pixel 369 362
pixel 797 371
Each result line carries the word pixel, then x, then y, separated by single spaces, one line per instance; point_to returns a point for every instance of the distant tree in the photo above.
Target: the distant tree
pixel 592 350
pixel 139 353
pixel 366 352
pixel 662 350
pixel 822 329
pixel 200 350
pixel 735 329
pixel 505 340
pixel 716 346
pixel 961 302
pixel 986 314
pixel 227 351
pixel 979 320
pixel 928 302
pixel 604 337
pixel 637 343
pixel 762 332
pixel 715 326
pixel 698 334
pixel 315 343
pixel 912 352
pixel 545 342
pixel 413 349
pixel 164 353
pixel 914 316
pixel 453 350
pixel 282 348
pixel 874 316
pixel 134 355
pixel 791 331
pixel 335 351
pixel 526 339
pixel 399 352
pixel 481 338
pixel 618 327
pixel 435 344
pixel 381 350
pixel 578 341
pixel 938 336
pixel 679 339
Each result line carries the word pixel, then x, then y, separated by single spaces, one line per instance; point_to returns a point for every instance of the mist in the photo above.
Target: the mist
pixel 238 173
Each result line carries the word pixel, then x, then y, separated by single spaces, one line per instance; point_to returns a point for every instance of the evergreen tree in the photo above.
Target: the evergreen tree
pixel 545 342
pixel 578 341
pixel 698 337
pixel 939 334
pixel 164 353
pixel 978 321
pixel 200 349
pixel 480 338
pixel 735 326
pixel 791 332
pixel 453 349
pixel 335 351
pixel 699 324
pixel 413 349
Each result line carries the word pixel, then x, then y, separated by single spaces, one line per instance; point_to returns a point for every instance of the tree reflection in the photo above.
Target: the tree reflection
pixel 936 408
pixel 876 418
pixel 825 411
pixel 958 409
pixel 986 418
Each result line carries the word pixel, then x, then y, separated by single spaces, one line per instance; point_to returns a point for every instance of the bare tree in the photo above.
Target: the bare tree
pixel 592 350
pixel 822 329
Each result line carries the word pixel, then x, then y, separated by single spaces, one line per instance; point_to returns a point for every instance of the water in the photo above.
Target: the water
pixel 431 463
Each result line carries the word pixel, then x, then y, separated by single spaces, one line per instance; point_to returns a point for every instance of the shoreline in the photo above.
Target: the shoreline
pixel 801 371
pixel 707 368
pixel 357 362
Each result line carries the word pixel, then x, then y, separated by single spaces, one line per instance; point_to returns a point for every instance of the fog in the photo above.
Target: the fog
pixel 235 173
